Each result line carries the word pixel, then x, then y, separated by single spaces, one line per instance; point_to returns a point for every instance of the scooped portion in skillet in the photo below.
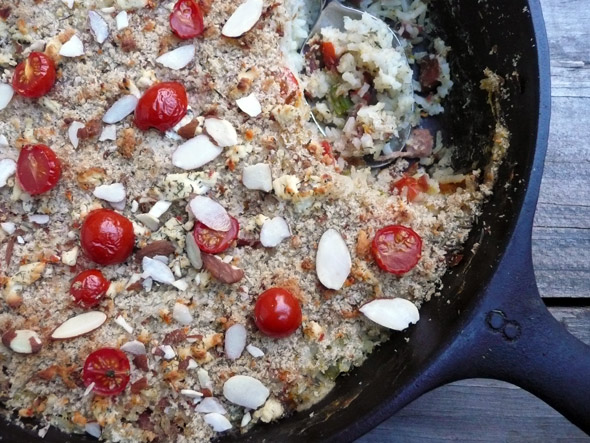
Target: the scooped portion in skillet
pixel 183 253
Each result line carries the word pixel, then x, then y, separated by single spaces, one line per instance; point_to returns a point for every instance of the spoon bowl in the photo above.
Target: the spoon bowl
pixel 333 14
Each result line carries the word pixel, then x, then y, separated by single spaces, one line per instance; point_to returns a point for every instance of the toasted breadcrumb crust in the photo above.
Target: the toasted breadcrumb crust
pixel 311 192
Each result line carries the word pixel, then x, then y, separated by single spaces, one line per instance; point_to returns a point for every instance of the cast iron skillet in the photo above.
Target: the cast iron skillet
pixel 495 325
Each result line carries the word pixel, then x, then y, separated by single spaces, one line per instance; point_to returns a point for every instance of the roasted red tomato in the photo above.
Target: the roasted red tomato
pixel 107 237
pixel 38 169
pixel 277 313
pixel 329 55
pixel 414 186
pixel 215 242
pixel 108 369
pixel 34 76
pixel 161 106
pixel 289 86
pixel 397 249
pixel 89 288
pixel 186 19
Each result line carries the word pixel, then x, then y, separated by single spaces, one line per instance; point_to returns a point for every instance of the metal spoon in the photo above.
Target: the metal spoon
pixel 332 14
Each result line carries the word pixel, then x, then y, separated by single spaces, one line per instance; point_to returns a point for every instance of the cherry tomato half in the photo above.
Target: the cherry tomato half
pixel 161 106
pixel 34 76
pixel 108 369
pixel 277 313
pixel 186 19
pixel 38 169
pixel 329 55
pixel 414 186
pixel 214 242
pixel 397 249
pixel 89 288
pixel 107 237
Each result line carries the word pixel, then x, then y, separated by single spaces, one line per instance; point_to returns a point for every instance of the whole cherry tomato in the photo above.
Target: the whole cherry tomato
pixel 161 106
pixel 397 249
pixel 414 186
pixel 186 19
pixel 277 313
pixel 214 242
pixel 37 169
pixel 34 76
pixel 89 288
pixel 107 237
pixel 108 369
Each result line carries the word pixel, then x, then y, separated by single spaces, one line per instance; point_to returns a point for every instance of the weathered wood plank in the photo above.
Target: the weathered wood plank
pixel 491 411
pixel 485 410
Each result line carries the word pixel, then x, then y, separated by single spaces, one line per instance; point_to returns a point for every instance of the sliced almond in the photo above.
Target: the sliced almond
pixel 7 170
pixel 221 131
pixel 257 177
pixel 79 325
pixel 250 105
pixel 182 314
pixel 247 418
pixel 157 270
pixel 120 109
pixel 22 341
pixel 134 347
pixel 120 320
pixel 254 351
pixel 109 132
pixel 39 219
pixel 235 341
pixel 217 421
pixel 99 26
pixel 177 58
pixel 274 231
pixel 72 48
pixel 6 94
pixel 243 19
pixel 112 193
pixel 220 270
pixel 159 208
pixel 392 313
pixel 73 132
pixel 196 152
pixel 191 393
pixel 210 213
pixel 193 252
pixel 93 428
pixel 245 391
pixel 122 20
pixel 209 405
pixel 8 227
pixel 333 261
pixel 149 221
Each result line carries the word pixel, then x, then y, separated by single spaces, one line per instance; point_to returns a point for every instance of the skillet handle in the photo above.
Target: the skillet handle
pixel 514 338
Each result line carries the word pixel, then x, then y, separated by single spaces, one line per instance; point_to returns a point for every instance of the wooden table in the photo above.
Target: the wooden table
pixel 492 411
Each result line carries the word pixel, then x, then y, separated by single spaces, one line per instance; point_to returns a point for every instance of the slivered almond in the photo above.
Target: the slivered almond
pixel 79 325
pixel 221 131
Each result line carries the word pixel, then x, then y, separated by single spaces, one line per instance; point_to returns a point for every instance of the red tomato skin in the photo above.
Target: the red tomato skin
pixel 414 186
pixel 107 237
pixel 35 76
pixel 277 313
pixel 329 55
pixel 396 249
pixel 215 242
pixel 89 288
pixel 37 169
pixel 161 106
pixel 289 86
pixel 108 369
pixel 186 19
